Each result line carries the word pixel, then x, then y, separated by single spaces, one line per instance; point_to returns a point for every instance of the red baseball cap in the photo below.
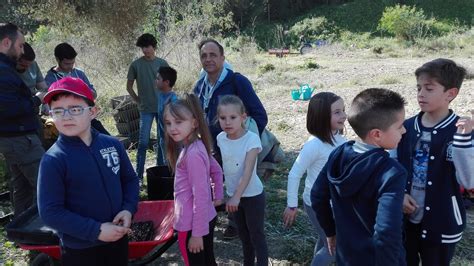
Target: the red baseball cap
pixel 69 84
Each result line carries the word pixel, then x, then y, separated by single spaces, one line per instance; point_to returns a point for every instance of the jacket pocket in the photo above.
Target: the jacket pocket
pixel 457 213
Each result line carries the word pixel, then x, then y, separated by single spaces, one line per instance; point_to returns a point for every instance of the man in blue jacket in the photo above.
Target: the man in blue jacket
pixel 217 81
pixel 220 81
pixel 19 142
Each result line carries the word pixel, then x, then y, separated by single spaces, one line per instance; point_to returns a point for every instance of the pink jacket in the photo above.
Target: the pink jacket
pixel 193 205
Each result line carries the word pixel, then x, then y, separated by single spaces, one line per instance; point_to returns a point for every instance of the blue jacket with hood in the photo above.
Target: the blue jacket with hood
pixel 80 187
pixel 366 190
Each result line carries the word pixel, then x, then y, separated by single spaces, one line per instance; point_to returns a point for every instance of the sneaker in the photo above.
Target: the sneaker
pixel 230 233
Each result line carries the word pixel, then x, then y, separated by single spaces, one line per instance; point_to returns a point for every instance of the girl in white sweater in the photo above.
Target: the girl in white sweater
pixel 325 122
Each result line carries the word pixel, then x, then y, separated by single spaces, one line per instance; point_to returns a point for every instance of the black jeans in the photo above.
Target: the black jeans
pixel 250 223
pixel 205 257
pixel 109 254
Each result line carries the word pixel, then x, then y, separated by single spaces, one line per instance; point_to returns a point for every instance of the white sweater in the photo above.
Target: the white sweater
pixel 311 160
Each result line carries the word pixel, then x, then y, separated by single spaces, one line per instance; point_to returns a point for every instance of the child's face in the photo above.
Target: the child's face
pixel 148 51
pixel 159 81
pixel 160 84
pixel 389 138
pixel 338 115
pixel 432 96
pixel 231 120
pixel 180 129
pixel 76 124
pixel 66 65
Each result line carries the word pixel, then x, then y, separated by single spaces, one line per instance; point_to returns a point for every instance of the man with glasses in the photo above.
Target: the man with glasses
pixel 19 142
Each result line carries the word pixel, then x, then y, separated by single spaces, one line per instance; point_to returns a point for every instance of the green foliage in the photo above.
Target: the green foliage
pixel 312 29
pixel 310 64
pixel 262 69
pixel 404 22
pixel 411 24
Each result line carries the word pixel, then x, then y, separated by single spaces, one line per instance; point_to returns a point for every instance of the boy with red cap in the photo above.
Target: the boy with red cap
pixel 87 188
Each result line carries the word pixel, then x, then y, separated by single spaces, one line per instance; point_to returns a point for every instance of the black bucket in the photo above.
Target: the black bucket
pixel 160 183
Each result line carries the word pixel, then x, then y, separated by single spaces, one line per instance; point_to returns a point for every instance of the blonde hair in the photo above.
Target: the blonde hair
pixel 230 100
pixel 187 105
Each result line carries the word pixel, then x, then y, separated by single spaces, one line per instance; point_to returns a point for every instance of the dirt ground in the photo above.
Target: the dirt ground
pixel 344 72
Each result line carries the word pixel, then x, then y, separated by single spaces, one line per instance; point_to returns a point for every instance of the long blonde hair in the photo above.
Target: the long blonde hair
pixel 188 104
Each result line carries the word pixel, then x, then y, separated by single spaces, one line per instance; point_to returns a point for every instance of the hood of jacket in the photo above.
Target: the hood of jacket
pixel 349 170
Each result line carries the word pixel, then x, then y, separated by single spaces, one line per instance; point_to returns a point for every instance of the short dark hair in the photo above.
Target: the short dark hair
pixel 9 30
pixel 28 53
pixel 168 73
pixel 445 71
pixel 64 51
pixel 318 117
pixel 374 108
pixel 146 40
pixel 66 94
pixel 203 42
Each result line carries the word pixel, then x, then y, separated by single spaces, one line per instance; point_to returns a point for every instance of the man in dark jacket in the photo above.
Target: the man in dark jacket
pixel 19 142
pixel 220 81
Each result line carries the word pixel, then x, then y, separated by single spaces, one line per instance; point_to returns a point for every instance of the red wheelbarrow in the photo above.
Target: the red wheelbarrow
pixel 139 253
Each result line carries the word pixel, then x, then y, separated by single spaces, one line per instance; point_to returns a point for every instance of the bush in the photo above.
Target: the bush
pixel 312 29
pixel 310 64
pixel 262 69
pixel 404 22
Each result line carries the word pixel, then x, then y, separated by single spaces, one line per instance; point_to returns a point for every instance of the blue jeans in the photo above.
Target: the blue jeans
pixel 146 120
pixel 321 254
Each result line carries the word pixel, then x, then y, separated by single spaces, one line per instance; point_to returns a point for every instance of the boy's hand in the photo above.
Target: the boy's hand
pixel 195 244
pixel 110 232
pixel 465 124
pixel 289 216
pixel 232 204
pixel 123 218
pixel 331 245
pixel 409 204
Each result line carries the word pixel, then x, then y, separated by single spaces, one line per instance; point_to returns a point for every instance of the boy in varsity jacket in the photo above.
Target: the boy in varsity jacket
pixel 437 151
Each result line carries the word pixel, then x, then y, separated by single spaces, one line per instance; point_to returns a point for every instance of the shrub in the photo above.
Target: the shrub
pixel 312 29
pixel 310 64
pixel 404 22
pixel 265 68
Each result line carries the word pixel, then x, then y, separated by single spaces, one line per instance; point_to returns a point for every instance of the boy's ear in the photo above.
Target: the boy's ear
pixel 94 111
pixel 374 135
pixel 6 42
pixel 452 93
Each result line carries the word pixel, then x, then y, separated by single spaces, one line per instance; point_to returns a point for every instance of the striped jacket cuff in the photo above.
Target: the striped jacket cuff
pixel 462 140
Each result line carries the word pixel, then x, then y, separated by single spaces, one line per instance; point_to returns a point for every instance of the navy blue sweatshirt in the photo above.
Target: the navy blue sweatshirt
pixel 80 187
pixel 18 107
pixel 366 190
